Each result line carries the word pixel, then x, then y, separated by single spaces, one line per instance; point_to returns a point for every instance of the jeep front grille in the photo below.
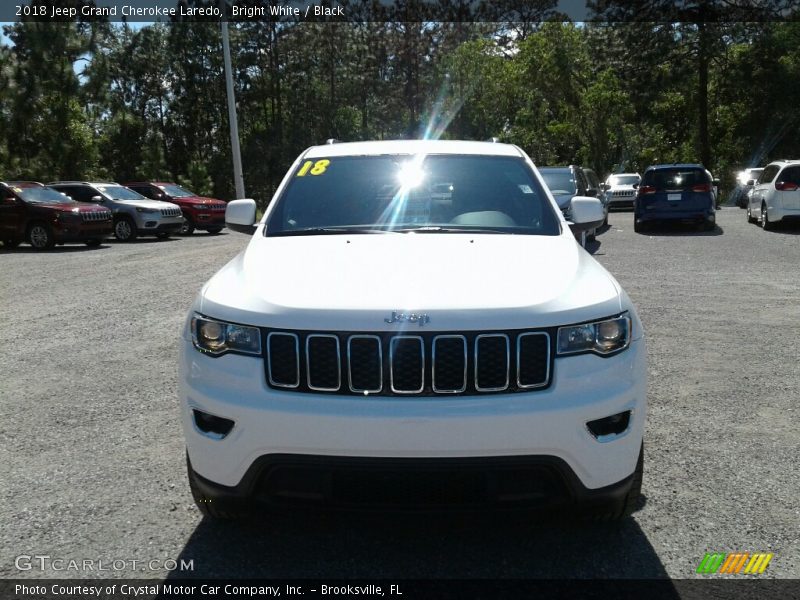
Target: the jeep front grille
pixel 409 363
pixel 96 215
pixel 623 193
pixel 170 212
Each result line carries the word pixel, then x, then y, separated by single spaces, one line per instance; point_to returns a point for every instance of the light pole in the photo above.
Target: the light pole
pixel 238 178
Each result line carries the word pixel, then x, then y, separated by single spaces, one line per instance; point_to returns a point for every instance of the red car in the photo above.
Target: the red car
pixel 43 217
pixel 207 214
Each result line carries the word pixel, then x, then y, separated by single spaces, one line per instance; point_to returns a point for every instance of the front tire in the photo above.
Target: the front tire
pixel 41 237
pixel 125 229
pixel 209 506
pixel 187 228
pixel 750 217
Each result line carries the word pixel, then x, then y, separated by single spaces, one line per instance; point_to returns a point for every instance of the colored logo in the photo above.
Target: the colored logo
pixel 735 562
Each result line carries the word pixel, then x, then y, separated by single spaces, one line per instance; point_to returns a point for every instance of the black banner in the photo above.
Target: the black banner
pixel 401 10
pixel 462 589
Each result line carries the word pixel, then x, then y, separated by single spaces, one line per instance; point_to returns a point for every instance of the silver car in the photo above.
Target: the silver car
pixel 134 214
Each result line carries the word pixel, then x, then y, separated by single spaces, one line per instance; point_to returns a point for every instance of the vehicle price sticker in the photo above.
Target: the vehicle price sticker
pixel 673 196
pixel 311 167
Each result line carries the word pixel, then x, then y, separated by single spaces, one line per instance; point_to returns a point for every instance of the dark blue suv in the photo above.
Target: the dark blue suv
pixel 683 193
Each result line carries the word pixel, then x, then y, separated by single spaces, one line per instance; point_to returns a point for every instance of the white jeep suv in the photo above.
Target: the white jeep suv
pixel 413 323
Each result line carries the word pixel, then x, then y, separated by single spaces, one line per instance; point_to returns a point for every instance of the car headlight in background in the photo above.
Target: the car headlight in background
pixel 601 337
pixel 218 337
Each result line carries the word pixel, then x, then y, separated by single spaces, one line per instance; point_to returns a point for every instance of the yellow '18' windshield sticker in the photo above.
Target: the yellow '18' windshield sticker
pixel 311 167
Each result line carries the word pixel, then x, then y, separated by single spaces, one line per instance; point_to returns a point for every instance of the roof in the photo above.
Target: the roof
pixel 412 147
pixel 24 184
pixel 83 183
pixel 149 183
pixel 677 166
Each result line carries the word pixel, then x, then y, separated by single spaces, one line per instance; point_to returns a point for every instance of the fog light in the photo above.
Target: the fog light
pixel 216 427
pixel 609 427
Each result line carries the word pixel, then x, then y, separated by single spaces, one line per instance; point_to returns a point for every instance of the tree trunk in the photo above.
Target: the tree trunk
pixel 702 94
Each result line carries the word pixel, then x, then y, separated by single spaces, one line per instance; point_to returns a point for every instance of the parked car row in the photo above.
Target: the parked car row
pixel 88 212
pixel 687 193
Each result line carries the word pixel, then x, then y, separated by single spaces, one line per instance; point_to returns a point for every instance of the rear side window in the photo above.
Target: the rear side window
pixel 675 179
pixel 791 175
pixel 769 174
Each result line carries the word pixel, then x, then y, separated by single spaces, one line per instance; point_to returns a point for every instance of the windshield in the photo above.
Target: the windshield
pixel 118 192
pixel 435 193
pixel 623 180
pixel 560 181
pixel 176 191
pixel 42 195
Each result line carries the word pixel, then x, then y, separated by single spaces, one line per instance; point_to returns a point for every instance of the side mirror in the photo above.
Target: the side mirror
pixel 96 199
pixel 636 186
pixel 587 213
pixel 605 187
pixel 592 192
pixel 158 196
pixel 240 215
pixel 751 182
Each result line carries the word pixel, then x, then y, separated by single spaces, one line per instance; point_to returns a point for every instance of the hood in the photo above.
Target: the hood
pixel 198 200
pixel 462 282
pixel 146 203
pixel 69 206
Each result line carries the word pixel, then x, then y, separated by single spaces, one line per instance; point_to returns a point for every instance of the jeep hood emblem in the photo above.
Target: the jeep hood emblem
pixel 398 317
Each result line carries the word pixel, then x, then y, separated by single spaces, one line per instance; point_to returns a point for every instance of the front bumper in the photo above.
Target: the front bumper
pixel 81 232
pixel 163 225
pixel 207 220
pixel 420 483
pixel 545 423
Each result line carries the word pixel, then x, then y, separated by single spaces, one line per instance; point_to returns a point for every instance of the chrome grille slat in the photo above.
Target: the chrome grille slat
pixel 378 354
pixel 170 212
pixel 441 389
pixel 271 359
pixel 310 364
pixel 546 380
pixel 478 364
pixel 393 354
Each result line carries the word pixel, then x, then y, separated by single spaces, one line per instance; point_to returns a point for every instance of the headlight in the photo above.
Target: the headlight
pixel 147 211
pixel 600 337
pixel 218 337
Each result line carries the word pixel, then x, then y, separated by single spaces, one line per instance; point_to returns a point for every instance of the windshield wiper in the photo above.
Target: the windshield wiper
pixel 327 231
pixel 440 229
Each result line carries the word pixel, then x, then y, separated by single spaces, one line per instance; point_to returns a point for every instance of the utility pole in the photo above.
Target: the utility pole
pixel 238 178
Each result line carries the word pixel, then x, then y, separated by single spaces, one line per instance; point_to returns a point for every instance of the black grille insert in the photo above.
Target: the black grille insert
pixel 365 363
pixel 407 364
pixel 492 362
pixel 449 364
pixel 533 358
pixel 283 359
pixel 323 362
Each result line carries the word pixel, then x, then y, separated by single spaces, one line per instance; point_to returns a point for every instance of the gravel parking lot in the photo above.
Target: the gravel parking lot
pixel 91 449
